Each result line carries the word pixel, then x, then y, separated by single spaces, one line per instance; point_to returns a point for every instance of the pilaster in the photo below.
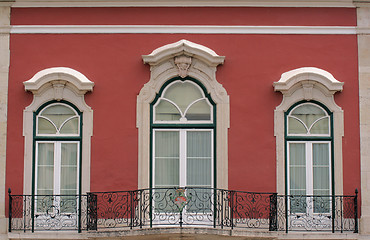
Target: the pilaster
pixel 4 72
pixel 363 20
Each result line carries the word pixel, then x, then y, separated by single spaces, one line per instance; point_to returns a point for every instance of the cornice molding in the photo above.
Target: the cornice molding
pixel 184 3
pixel 172 29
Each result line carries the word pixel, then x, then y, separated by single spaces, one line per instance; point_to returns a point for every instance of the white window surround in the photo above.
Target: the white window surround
pixel 58 83
pixel 308 83
pixel 183 58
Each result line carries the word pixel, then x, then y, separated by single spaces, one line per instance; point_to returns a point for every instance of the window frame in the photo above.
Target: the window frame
pixel 193 125
pixel 183 155
pixel 56 138
pixel 309 139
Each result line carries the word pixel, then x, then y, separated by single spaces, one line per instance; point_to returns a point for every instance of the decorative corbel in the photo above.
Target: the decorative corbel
pixel 58 88
pixel 183 63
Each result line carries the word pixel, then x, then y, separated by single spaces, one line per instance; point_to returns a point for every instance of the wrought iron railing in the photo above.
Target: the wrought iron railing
pixel 190 206
pixel 317 213
pixel 47 212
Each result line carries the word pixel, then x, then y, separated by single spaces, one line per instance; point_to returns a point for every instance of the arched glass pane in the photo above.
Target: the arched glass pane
pixel 321 127
pixel 70 127
pixel 166 111
pixel 183 94
pixel 58 114
pixel 308 113
pixel 199 111
pixel 295 126
pixel 45 127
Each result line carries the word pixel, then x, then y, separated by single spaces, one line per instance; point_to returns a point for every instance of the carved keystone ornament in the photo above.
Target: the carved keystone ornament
pixel 183 63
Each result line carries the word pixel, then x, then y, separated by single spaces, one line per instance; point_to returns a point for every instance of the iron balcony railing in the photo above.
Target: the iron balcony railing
pixel 181 207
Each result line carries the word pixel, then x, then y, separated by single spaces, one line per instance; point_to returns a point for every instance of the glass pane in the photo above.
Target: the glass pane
pixel 45 154
pixel 297 168
pixel 70 127
pixel 296 127
pixel 68 179
pixel 183 93
pixel 166 111
pixel 58 114
pixel 199 111
pixel 45 168
pixel 166 158
pixel 199 144
pixel 297 178
pixel 69 154
pixel 45 126
pixel 308 113
pixel 321 168
pixel 321 127
pixel 320 154
pixel 297 154
pixel 45 178
pixel 199 161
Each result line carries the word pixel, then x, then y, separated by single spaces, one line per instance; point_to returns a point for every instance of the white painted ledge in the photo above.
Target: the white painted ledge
pixel 196 29
pixel 184 3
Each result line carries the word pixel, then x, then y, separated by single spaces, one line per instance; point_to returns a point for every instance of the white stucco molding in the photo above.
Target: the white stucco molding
pixel 201 63
pixel 69 76
pixel 59 83
pixel 308 75
pixel 184 47
pixel 308 83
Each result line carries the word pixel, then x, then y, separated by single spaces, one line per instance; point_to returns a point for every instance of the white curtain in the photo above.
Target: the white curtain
pixel 167 159
pixel 45 168
pixel 199 158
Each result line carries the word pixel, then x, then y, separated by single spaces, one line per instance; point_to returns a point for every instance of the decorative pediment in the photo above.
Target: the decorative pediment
pixel 184 47
pixel 308 78
pixel 58 78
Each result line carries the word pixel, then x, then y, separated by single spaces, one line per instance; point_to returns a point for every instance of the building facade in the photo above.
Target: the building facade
pixel 196 119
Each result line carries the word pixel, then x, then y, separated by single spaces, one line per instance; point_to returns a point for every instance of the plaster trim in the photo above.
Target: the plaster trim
pixel 187 3
pixel 294 86
pixel 57 84
pixel 203 68
pixel 194 29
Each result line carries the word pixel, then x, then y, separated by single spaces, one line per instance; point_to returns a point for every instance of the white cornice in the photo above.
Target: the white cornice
pixel 106 29
pixel 184 3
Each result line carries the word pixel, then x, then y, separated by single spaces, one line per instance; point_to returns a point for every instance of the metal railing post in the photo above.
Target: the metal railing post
pixel 79 212
pixel 356 211
pixel 92 214
pixel 286 214
pixel 232 209
pixel 131 209
pixel 10 210
pixel 273 212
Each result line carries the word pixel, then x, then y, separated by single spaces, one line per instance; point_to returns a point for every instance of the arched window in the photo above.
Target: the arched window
pixel 57 149
pixel 183 131
pixel 309 156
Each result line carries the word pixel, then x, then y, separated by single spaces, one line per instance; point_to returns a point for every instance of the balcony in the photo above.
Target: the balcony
pixel 182 208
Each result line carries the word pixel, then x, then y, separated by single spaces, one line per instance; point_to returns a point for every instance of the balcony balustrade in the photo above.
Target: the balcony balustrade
pixel 182 207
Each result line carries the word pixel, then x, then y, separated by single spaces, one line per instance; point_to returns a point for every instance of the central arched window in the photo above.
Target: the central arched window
pixel 183 133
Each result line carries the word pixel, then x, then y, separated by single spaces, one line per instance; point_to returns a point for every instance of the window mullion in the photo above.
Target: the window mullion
pixel 57 167
pixel 183 148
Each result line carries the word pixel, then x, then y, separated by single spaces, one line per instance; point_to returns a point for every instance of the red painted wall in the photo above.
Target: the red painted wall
pixel 113 62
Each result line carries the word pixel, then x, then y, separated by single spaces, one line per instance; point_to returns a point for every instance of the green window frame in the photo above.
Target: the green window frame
pixel 64 148
pixel 180 126
pixel 309 138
